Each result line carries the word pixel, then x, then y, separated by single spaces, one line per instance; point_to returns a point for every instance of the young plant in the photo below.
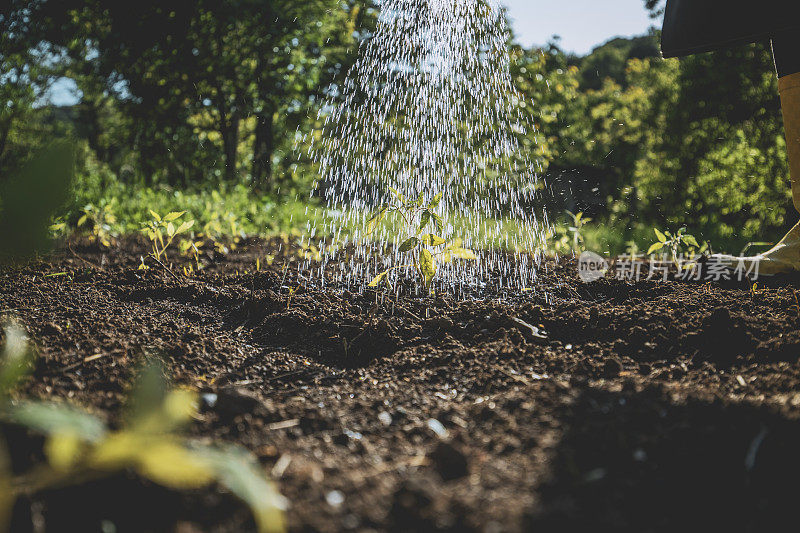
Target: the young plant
pixel 81 447
pixel 191 249
pixel 570 238
pixel 676 244
pixel 162 231
pixel 427 249
pixel 221 226
pixel 576 229
pixel 99 221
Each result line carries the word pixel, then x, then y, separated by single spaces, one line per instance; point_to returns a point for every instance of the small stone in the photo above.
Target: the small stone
pixel 385 418
pixel 438 428
pixel 334 498
pixel 209 400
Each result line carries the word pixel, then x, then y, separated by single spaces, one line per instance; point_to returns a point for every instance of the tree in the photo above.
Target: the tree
pixel 656 7
pixel 25 76
pixel 209 77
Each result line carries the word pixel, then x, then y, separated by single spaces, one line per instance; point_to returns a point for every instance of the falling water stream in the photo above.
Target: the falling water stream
pixel 430 107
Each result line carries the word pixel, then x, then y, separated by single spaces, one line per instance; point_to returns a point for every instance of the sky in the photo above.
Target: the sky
pixel 582 24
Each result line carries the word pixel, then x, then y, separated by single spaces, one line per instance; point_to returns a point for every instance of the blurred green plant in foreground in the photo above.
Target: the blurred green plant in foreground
pixel 80 447
pixel 29 199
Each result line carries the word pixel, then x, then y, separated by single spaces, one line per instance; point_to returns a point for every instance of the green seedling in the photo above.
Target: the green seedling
pixel 58 228
pixel 292 292
pixel 191 249
pixel 162 231
pixel 570 238
pixel 220 226
pixel 676 244
pixel 576 229
pixel 80 447
pixel 98 221
pixel 427 249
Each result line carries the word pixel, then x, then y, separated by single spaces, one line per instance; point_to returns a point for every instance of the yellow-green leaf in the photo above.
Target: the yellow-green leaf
pixel 180 406
pixel 463 253
pixel 53 418
pixel 16 358
pixel 238 472
pixel 691 241
pixel 174 466
pixel 426 218
pixel 378 279
pixel 656 247
pixel 660 236
pixel 64 450
pixel 169 217
pixel 185 226
pixel 432 240
pixel 397 194
pixel 170 229
pixel 376 219
pixel 155 215
pixel 408 245
pixel 437 221
pixel 427 266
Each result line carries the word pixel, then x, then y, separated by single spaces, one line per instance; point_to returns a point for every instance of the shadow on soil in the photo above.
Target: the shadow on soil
pixel 656 461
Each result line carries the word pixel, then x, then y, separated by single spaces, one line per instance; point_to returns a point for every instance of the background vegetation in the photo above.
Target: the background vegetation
pixel 199 106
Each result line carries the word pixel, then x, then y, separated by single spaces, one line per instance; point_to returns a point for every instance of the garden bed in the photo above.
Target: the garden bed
pixel 616 405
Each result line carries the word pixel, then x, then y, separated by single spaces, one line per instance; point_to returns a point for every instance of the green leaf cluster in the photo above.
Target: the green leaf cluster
pixel 676 243
pixel 163 230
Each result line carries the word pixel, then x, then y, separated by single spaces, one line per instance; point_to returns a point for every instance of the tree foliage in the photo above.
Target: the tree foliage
pixel 183 93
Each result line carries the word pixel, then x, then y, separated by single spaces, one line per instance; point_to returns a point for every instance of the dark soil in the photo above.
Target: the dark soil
pixel 630 406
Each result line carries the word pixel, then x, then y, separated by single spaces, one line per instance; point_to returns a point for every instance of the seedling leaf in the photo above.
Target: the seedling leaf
pixel 424 221
pixel 427 266
pixel 660 236
pixel 378 279
pixel 237 471
pixel 437 221
pixel 463 253
pixel 184 227
pixel 173 215
pixel 409 244
pixel 433 240
pixel 50 418
pixel 397 195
